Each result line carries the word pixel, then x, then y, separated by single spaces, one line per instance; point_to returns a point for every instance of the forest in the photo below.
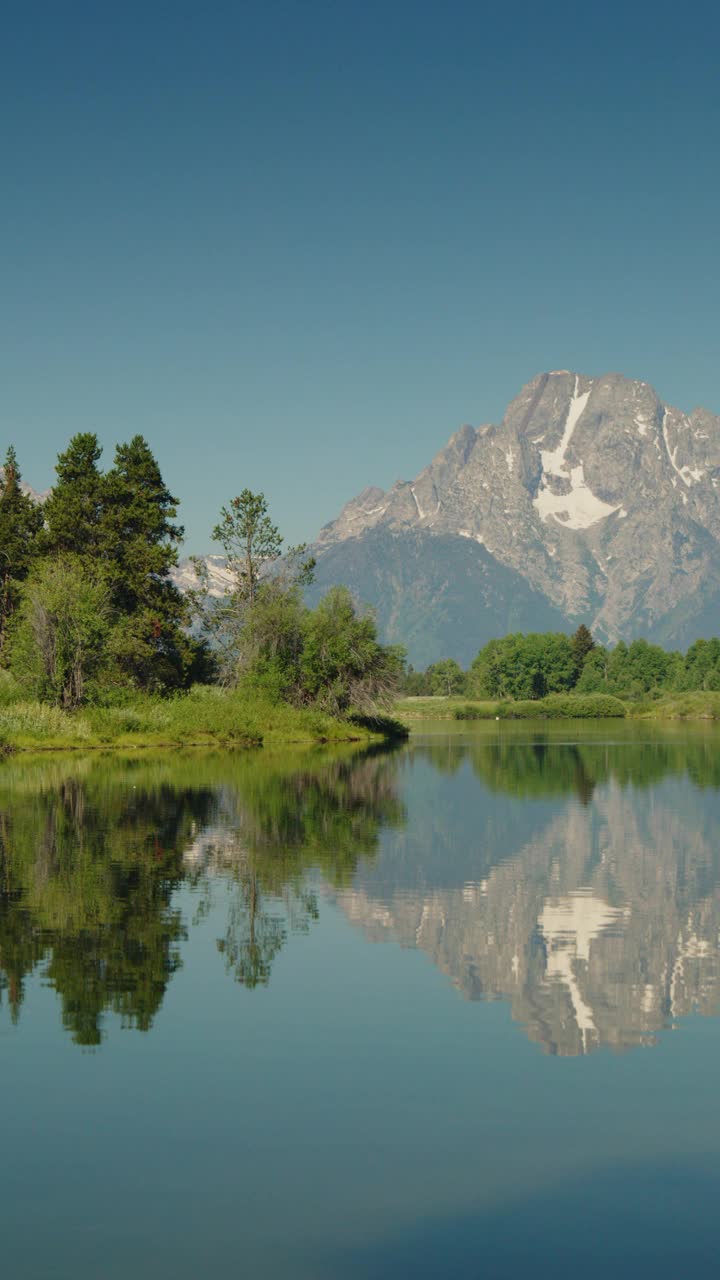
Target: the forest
pixel 90 616
pixel 534 665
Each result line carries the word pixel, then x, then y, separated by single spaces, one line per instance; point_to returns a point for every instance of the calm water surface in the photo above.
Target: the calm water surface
pixel 443 1010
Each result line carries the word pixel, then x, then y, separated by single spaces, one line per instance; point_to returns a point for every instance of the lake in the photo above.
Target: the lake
pixel 447 1009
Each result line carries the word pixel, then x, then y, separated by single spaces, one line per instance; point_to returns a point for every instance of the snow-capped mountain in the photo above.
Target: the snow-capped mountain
pixel 220 579
pixel 591 501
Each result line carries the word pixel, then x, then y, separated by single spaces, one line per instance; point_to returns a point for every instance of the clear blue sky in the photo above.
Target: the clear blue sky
pixel 297 244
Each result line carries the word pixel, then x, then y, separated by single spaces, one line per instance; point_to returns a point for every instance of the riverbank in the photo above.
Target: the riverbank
pixel 201 718
pixel 699 705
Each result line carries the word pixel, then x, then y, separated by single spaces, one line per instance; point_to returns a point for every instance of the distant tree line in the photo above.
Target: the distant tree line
pixel 89 610
pixel 534 665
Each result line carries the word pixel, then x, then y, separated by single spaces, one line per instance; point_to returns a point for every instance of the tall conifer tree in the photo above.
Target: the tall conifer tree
pixel 20 522
pixel 139 549
pixel 582 644
pixel 73 512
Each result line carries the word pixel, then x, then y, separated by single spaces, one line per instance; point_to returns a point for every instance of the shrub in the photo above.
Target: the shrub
pixel 479 711
pixel 592 706
pixel 9 689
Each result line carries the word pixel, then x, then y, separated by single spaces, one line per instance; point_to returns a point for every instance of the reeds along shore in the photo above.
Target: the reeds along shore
pixel 205 716
pixel 699 705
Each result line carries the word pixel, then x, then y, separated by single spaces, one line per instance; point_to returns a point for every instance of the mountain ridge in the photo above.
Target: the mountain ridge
pixel 601 499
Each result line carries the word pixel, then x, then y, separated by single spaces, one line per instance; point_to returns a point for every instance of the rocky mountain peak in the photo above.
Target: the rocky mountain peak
pixel 597 495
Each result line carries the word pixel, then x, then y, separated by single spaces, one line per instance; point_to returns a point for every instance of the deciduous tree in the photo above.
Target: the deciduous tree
pixel 61 635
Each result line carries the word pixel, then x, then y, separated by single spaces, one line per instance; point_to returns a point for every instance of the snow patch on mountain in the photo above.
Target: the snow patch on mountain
pixel 220 579
pixel 553 461
pixel 687 474
pixel 578 509
pixel 420 511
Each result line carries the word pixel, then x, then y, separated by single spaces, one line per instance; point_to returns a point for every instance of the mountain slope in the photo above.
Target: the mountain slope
pixel 591 501
pixel 435 594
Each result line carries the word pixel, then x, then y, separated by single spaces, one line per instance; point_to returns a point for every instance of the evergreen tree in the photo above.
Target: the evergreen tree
pixel 582 644
pixel 252 545
pixel 139 548
pixel 20 521
pixel 249 539
pixel 73 512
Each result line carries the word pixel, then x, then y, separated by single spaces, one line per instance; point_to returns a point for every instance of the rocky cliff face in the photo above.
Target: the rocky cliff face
pixel 591 501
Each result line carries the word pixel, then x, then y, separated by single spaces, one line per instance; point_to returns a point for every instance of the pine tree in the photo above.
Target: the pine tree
pixel 139 548
pixel 250 540
pixel 582 644
pixel 253 546
pixel 20 521
pixel 73 512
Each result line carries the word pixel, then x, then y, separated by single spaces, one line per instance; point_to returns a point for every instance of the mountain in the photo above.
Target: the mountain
pixel 592 501
pixel 220 579
pixel 32 493
pixel 436 594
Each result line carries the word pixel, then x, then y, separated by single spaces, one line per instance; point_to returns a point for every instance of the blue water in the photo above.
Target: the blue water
pixel 443 1011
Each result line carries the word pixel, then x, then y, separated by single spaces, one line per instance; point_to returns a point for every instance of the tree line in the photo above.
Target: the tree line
pixel 89 610
pixel 533 665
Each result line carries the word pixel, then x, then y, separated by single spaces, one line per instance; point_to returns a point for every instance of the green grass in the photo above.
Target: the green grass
pixel 557 706
pixel 659 706
pixel 421 708
pixel 554 707
pixel 202 717
pixel 698 705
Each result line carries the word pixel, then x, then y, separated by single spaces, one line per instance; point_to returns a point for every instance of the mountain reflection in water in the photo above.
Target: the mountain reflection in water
pixel 578 881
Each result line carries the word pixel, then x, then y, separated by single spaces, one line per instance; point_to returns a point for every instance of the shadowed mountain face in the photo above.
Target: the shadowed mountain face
pixel 591 501
pixel 435 594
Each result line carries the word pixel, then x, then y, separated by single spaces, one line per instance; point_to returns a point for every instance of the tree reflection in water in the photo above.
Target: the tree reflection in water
pixel 578 881
pixel 92 851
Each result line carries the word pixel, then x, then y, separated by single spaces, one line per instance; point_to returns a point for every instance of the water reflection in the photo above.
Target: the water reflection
pixel 597 918
pixel 578 881
pixel 92 851
pixel 89 862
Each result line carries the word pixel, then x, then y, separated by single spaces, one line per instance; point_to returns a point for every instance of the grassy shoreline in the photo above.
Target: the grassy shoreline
pixel 668 706
pixel 208 717
pixel 204 717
